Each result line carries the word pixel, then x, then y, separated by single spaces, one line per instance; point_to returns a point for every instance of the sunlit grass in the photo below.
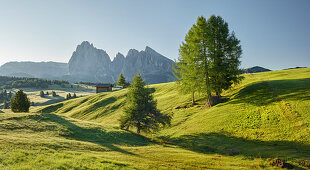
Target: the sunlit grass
pixel 266 116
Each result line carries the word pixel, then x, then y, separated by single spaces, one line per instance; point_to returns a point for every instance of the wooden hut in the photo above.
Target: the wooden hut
pixel 103 88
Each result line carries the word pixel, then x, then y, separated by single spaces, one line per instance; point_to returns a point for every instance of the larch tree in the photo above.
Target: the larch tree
pixel 209 58
pixel 141 109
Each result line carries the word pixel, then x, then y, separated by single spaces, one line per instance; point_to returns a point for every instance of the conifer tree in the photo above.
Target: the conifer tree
pixel 20 102
pixel 209 58
pixel 54 94
pixel 121 81
pixel 69 96
pixel 41 94
pixel 140 109
pixel 74 95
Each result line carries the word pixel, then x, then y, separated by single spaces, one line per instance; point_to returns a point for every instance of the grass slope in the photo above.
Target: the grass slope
pixel 266 116
pixel 49 141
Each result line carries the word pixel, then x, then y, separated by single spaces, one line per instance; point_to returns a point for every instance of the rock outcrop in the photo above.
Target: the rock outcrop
pixel 91 64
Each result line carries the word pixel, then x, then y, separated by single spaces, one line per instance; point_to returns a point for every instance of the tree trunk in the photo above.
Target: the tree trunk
pixel 138 127
pixel 209 102
pixel 193 99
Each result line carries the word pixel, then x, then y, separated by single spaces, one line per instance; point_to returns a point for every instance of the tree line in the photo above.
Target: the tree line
pixel 25 82
pixel 5 98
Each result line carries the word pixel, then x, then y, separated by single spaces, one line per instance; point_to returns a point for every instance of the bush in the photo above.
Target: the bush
pixel 54 94
pixel 20 102
pixel 41 94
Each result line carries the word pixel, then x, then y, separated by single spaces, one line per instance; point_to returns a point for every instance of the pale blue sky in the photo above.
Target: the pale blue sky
pixel 273 33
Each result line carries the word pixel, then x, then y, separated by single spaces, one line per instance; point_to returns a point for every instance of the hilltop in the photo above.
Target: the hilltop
pixel 264 117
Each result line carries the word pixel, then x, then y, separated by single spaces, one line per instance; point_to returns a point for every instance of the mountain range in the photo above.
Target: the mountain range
pixel 90 64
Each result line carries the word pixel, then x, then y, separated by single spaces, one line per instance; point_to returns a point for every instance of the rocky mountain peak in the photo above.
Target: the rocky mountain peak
pixel 132 52
pixel 149 50
pixel 91 64
pixel 119 56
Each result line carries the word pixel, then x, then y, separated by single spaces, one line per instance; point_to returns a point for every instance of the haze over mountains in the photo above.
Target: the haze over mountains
pixel 94 65
pixel 90 64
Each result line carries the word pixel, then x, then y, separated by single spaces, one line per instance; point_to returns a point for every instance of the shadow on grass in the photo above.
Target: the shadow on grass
pixel 102 103
pixel 51 108
pixel 227 145
pixel 267 92
pixel 108 110
pixel 94 134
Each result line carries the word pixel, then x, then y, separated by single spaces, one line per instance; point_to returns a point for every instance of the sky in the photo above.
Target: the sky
pixel 274 33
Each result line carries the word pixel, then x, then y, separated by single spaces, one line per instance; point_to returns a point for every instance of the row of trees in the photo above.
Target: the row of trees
pixel 24 82
pixel 42 94
pixel 5 96
pixel 208 59
pixel 69 96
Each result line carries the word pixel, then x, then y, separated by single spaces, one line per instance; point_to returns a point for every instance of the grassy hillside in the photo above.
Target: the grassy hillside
pixel 266 116
pixel 269 105
pixel 49 141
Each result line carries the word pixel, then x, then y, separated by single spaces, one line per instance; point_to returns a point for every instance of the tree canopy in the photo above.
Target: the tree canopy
pixel 20 102
pixel 208 58
pixel 140 109
pixel 122 81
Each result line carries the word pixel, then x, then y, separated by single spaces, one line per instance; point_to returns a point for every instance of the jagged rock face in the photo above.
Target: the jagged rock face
pixel 151 65
pixel 117 65
pixel 90 63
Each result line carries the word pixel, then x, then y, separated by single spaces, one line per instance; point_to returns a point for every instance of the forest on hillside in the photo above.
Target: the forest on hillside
pixel 25 82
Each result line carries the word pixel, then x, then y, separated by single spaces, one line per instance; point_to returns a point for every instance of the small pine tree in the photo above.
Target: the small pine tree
pixel 20 102
pixel 54 94
pixel 69 96
pixel 140 109
pixel 41 94
pixel 5 94
pixel 47 93
pixel 121 81
pixel 74 95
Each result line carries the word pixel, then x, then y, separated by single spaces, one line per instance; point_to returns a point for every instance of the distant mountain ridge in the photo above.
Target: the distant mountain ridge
pixel 90 64
pixel 255 69
pixel 48 70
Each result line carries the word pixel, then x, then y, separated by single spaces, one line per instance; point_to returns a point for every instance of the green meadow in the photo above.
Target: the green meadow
pixel 264 117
